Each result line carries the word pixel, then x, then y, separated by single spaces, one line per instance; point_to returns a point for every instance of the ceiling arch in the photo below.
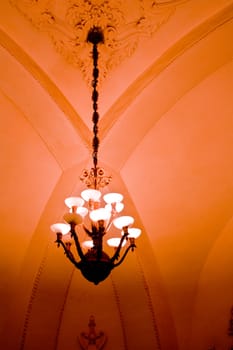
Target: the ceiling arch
pixel 166 90
pixel 171 54
pixel 166 137
pixel 47 84
pixel 219 279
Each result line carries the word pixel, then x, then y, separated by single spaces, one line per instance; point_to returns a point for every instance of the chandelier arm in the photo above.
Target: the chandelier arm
pixel 77 244
pixel 117 253
pixel 67 252
pixel 131 246
pixel 88 232
pixel 109 225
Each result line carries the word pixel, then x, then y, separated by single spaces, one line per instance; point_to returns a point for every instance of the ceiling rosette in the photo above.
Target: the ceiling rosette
pixel 123 24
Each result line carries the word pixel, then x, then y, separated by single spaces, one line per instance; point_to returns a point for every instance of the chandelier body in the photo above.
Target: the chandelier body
pixel 95 265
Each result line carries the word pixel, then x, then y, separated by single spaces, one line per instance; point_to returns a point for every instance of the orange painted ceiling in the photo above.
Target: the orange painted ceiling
pixel 166 131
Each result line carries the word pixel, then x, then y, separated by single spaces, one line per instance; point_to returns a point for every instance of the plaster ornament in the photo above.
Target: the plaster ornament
pixel 123 22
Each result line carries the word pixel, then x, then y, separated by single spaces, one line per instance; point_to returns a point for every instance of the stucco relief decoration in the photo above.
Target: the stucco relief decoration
pixel 92 340
pixel 123 22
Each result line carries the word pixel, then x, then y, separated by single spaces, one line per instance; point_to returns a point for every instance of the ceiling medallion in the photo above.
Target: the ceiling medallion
pixel 123 25
pixel 90 214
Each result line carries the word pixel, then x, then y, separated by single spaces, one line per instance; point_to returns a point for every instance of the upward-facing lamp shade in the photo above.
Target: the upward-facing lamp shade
pixel 91 194
pixel 60 228
pixel 100 214
pixel 123 221
pixel 113 198
pixel 74 202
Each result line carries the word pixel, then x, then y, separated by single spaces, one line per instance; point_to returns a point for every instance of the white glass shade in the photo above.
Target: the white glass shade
pixel 123 221
pixel 91 194
pixel 114 242
pixel 118 207
pixel 100 214
pixel 60 228
pixel 88 244
pixel 113 198
pixel 82 211
pixel 74 202
pixel 133 232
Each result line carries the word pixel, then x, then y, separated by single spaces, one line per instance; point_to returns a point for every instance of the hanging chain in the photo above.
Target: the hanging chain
pixel 96 177
pixel 95 116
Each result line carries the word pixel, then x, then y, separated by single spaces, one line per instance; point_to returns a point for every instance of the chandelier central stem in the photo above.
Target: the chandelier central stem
pixel 95 36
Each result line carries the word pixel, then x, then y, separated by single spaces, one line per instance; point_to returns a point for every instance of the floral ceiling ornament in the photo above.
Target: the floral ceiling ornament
pixel 92 339
pixel 67 23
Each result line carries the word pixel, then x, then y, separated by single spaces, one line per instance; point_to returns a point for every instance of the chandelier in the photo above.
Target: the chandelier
pixel 91 214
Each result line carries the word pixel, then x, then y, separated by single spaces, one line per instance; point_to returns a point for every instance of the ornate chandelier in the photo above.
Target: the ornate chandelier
pixel 87 214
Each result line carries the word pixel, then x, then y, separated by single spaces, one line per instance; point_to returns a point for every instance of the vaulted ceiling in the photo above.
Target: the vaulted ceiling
pixel 166 133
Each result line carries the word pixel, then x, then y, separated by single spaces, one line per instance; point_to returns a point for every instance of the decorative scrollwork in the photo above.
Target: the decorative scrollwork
pixel 68 22
pixel 95 179
pixel 92 339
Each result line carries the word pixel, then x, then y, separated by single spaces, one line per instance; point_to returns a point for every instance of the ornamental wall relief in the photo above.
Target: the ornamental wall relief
pixel 92 339
pixel 124 23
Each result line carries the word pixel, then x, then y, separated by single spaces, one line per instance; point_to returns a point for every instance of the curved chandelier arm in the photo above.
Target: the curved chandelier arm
pixel 131 246
pixel 76 240
pixel 67 252
pixel 117 253
pixel 109 224
pixel 88 232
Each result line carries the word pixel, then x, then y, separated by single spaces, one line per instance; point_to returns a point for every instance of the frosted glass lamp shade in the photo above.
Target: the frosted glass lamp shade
pixel 100 214
pixel 91 194
pixel 113 198
pixel 88 244
pixel 82 211
pixel 123 221
pixel 114 242
pixel 118 207
pixel 74 202
pixel 60 228
pixel 133 232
